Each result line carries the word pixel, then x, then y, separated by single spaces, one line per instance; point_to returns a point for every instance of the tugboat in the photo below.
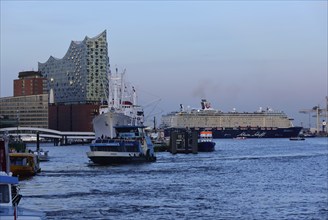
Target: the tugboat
pixel 131 145
pixel 205 142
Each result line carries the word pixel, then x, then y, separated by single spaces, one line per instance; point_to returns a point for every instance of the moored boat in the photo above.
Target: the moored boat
pixel 24 164
pixel 9 192
pixel 130 145
pixel 205 142
pixel 42 155
pixel 9 199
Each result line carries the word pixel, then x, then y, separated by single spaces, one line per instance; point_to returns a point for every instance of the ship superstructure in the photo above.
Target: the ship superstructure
pixel 120 109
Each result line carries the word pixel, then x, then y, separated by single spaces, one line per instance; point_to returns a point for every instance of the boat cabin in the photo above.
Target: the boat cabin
pixel 130 132
pixel 8 191
pixel 24 164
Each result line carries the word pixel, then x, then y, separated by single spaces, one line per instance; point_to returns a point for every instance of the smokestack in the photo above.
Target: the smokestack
pixel 203 103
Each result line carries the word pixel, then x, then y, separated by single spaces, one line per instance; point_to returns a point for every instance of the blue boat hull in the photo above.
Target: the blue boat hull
pixel 206 146
pixel 248 132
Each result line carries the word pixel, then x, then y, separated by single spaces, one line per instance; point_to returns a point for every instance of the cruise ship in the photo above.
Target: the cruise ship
pixel 259 124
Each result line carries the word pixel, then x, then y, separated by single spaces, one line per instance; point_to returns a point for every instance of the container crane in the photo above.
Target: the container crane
pixel 319 113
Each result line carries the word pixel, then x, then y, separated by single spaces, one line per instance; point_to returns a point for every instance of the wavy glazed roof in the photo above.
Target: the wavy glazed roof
pixel 76 44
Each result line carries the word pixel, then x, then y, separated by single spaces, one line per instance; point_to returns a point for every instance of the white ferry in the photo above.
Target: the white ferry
pixel 130 145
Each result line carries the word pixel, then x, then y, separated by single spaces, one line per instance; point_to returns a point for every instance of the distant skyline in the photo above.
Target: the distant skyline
pixel 236 54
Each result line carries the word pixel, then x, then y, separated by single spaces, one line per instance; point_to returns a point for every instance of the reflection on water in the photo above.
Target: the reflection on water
pixel 250 179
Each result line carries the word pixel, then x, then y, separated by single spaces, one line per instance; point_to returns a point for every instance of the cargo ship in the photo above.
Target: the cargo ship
pixel 259 124
pixel 120 109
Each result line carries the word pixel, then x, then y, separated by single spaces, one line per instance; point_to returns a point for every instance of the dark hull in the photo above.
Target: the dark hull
pixel 249 132
pixel 206 146
pixel 120 160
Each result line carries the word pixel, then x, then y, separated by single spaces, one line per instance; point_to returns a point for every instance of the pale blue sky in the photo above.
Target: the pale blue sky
pixel 237 54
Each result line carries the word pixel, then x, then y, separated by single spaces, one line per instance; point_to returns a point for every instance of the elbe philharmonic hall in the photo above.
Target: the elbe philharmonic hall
pixel 64 94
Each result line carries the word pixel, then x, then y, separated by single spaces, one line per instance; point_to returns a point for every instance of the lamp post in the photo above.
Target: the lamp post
pixel 17 117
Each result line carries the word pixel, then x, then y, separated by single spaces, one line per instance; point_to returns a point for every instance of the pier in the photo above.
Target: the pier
pixel 183 141
pixel 58 137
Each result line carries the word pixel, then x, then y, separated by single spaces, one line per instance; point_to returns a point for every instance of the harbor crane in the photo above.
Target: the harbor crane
pixel 319 113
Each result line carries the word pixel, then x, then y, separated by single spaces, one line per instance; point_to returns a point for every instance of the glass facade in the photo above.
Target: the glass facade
pixel 81 75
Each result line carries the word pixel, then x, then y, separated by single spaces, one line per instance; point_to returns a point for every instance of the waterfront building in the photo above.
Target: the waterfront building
pixel 64 94
pixel 30 83
pixel 77 83
pixel 72 117
pixel 6 122
pixel 29 105
pixel 28 111
pixel 81 75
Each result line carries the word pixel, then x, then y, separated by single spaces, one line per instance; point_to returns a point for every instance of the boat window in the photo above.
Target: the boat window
pixel 4 194
pixel 18 161
pixel 126 135
pixel 133 148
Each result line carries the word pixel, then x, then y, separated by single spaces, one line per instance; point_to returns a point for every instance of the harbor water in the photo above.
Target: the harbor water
pixel 242 179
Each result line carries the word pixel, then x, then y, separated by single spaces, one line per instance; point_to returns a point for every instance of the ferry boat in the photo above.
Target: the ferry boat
pixel 205 142
pixel 259 124
pixel 130 145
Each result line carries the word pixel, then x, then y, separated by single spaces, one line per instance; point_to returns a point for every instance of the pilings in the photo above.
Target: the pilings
pixel 37 142
pixel 183 141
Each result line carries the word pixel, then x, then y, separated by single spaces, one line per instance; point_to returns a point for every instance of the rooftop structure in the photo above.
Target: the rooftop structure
pixel 29 83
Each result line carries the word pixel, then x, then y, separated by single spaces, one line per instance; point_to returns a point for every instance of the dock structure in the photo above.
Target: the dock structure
pixel 183 141
pixel 59 137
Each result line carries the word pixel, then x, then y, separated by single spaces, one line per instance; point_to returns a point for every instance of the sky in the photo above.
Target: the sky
pixel 236 54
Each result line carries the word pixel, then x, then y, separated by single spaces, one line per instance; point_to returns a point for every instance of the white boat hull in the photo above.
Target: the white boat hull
pixel 7 213
pixel 106 158
pixel 103 124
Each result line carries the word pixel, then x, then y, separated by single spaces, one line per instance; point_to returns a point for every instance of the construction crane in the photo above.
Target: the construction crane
pixel 319 113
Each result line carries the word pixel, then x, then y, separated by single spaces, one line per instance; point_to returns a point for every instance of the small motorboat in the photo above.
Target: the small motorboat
pixel 240 138
pixel 297 138
pixel 24 164
pixel 42 155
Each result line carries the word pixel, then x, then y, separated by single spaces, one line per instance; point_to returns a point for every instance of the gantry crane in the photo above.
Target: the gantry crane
pixel 319 113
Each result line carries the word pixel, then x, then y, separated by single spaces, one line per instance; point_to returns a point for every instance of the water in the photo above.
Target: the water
pixel 242 179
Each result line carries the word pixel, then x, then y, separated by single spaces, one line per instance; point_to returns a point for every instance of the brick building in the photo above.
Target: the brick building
pixel 30 83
